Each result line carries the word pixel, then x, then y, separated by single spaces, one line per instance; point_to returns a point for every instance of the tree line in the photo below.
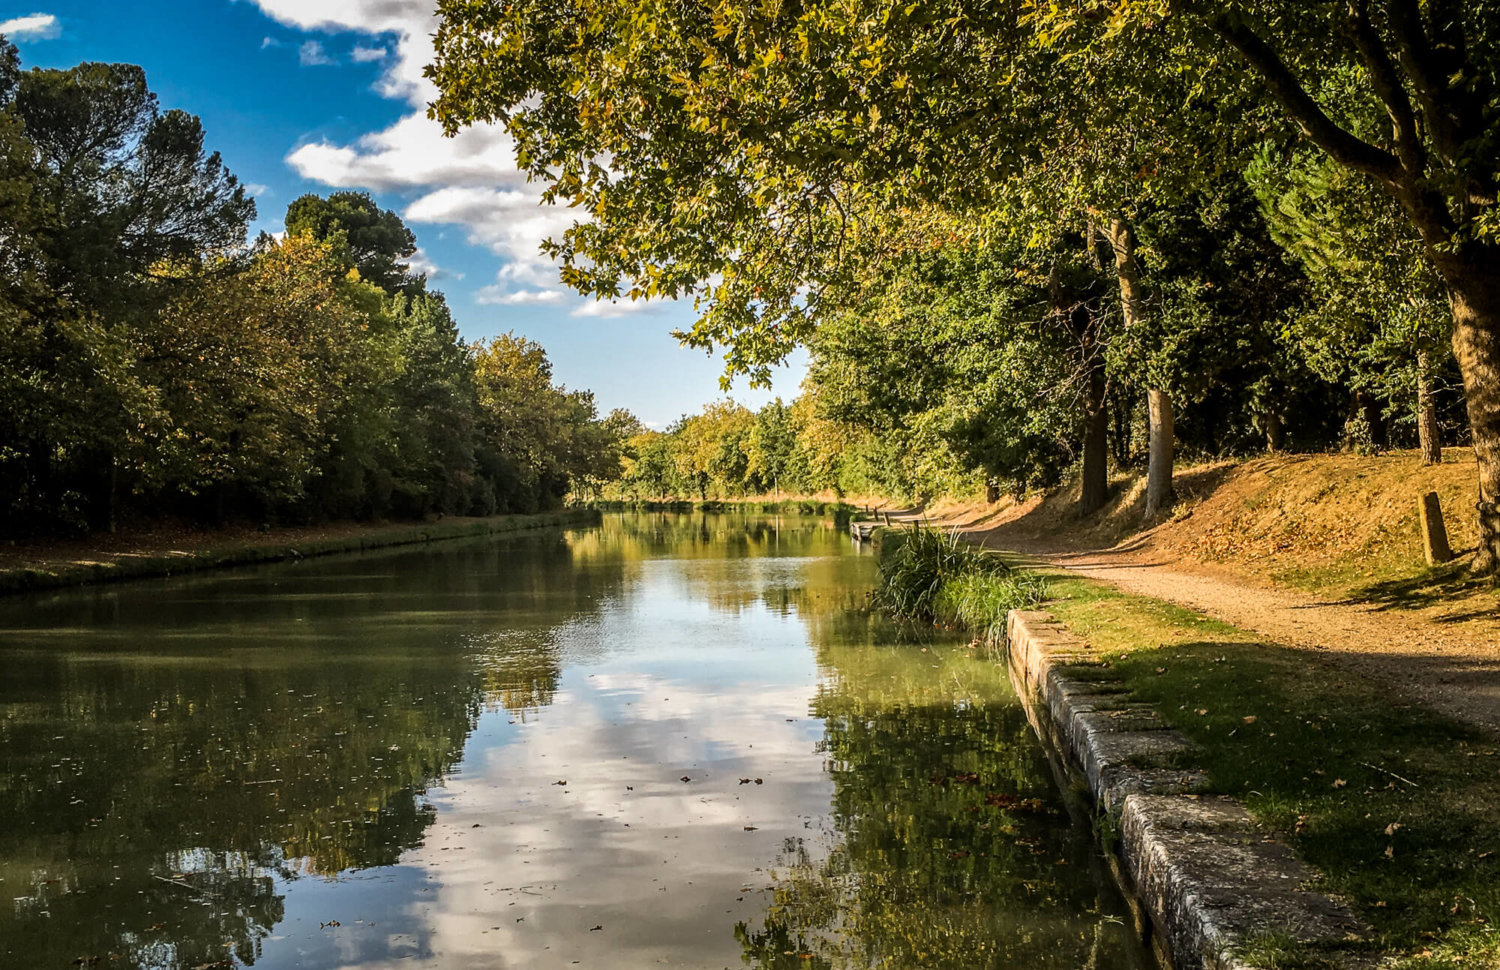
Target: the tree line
pixel 1052 234
pixel 154 363
pixel 728 451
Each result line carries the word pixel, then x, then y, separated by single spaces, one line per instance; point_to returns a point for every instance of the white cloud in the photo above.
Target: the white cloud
pixel 257 190
pixel 311 54
pixel 412 153
pixel 420 262
pixel 508 222
pixel 37 26
pixel 614 309
pixel 497 296
pixel 269 42
pixel 469 181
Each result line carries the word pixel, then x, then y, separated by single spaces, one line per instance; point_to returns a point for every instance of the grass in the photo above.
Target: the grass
pixel 937 575
pixel 1398 807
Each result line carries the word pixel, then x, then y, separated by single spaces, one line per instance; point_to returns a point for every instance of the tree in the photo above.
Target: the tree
pixel 1428 70
pixel 744 141
pixel 370 239
pixel 1381 318
pixel 541 438
pixel 103 188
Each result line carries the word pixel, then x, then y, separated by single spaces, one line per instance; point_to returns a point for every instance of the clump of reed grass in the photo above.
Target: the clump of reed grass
pixel 936 575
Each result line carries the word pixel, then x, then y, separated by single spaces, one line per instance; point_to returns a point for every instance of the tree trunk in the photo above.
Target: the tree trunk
pixel 1159 468
pixel 1158 403
pixel 1429 435
pixel 1476 345
pixel 1095 491
pixel 1275 432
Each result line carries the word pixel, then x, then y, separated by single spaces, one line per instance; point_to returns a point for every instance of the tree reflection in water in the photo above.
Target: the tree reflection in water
pixel 169 751
pixel 950 846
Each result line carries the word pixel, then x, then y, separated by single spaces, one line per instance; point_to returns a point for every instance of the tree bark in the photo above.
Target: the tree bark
pixel 1095 490
pixel 1158 402
pixel 1476 345
pixel 1159 491
pixel 1429 435
pixel 1275 432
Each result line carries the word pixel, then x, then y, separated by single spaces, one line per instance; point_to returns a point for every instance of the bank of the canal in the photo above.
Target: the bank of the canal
pixel 1216 758
pixel 107 559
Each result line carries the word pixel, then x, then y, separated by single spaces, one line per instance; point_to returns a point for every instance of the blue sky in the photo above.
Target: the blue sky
pixel 316 95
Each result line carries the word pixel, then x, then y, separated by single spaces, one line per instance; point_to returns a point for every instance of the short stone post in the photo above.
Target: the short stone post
pixel 1434 533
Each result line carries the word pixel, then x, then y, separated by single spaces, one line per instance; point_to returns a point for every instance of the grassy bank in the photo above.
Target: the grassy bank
pixel 77 564
pixel 1333 524
pixel 1398 807
pixel 938 576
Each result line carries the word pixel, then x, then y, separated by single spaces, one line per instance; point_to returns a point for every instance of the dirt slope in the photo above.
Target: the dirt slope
pixel 1316 552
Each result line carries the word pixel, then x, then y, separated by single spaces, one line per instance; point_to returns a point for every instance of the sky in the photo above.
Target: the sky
pixel 319 95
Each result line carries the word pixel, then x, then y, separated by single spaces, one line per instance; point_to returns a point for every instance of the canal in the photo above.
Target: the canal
pixel 672 740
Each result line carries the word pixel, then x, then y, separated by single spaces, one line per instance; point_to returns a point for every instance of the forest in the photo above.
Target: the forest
pixel 156 363
pixel 1026 241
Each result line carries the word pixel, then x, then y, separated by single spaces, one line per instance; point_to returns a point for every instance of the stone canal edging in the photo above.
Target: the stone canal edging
pixel 1209 879
pixel 116 569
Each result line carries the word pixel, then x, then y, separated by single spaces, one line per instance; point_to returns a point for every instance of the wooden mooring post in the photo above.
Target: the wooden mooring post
pixel 1434 533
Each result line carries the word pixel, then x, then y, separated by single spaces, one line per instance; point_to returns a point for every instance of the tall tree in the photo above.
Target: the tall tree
pixel 113 186
pixel 373 240
pixel 1431 71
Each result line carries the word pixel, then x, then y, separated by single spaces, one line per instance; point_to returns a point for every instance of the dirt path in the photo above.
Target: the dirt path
pixel 1446 660
pixel 1453 669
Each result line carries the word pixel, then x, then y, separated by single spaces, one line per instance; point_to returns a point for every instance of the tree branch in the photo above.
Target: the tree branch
pixel 1389 88
pixel 1344 147
pixel 1431 62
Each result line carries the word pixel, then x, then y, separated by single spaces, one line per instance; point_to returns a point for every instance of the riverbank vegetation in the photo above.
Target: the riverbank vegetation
pixel 1043 237
pixel 1395 805
pixel 154 364
pixel 939 576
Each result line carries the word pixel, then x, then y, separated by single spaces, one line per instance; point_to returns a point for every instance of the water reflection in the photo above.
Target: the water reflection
pixel 595 747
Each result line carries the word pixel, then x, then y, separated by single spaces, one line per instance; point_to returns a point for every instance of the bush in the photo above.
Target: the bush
pixel 929 574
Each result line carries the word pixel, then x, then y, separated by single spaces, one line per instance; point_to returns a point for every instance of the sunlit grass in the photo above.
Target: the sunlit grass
pixel 936 575
pixel 1397 806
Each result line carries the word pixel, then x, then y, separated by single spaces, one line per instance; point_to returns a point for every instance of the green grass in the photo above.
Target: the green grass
pixel 1397 806
pixel 936 575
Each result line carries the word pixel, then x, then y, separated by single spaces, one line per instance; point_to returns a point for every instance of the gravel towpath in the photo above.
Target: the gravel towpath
pixel 1448 661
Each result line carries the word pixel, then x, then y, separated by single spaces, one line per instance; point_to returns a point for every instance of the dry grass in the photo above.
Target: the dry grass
pixel 1339 525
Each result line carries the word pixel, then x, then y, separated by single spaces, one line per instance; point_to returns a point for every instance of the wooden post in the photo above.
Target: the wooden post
pixel 1434 533
pixel 887 517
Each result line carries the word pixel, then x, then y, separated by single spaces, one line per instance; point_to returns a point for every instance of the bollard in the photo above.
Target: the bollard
pixel 1434 533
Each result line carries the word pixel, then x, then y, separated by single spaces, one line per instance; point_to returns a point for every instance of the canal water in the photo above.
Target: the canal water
pixel 673 740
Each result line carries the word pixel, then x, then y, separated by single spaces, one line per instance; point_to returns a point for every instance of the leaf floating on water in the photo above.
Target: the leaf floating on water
pixel 1014 802
pixel 564 782
pixel 750 828
pixel 686 778
pixel 745 781
pixel 593 928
